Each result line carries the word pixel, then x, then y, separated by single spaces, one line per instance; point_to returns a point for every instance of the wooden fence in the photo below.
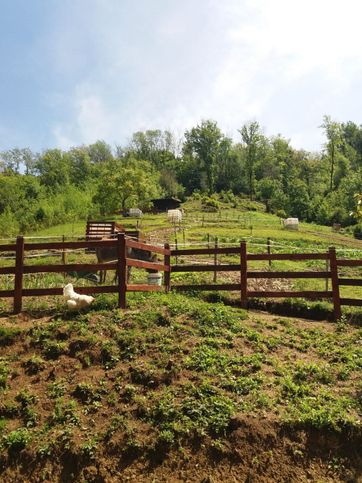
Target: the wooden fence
pixel 121 243
pixel 246 274
pixel 120 266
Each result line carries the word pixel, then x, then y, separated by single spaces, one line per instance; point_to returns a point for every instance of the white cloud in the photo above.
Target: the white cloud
pixel 169 64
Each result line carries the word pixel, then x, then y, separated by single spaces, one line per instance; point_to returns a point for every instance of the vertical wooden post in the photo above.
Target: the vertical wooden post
pixel 63 256
pixel 121 270
pixel 176 247
pixel 335 283
pixel 268 250
pixel 215 259
pixel 243 276
pixel 167 277
pixel 327 278
pixel 63 251
pixel 19 271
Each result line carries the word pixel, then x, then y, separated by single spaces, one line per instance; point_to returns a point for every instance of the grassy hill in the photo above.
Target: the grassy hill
pixel 233 222
pixel 178 389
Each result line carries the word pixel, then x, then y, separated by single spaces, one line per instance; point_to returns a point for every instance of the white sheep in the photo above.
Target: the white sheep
pixel 76 301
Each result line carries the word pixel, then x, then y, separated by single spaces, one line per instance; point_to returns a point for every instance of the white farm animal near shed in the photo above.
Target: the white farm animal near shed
pixel 291 223
pixel 135 212
pixel 174 216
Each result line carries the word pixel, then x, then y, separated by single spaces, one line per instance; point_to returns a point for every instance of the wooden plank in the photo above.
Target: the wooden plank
pixel 37 292
pixel 288 256
pixel 349 263
pixel 71 245
pixel 7 270
pixel 354 282
pixel 7 293
pixel 131 262
pixel 8 248
pixel 145 246
pixel 335 284
pixel 206 251
pixel 144 288
pixel 289 274
pixel 221 287
pixel 19 270
pixel 205 268
pixel 122 270
pixel 252 256
pixel 243 276
pixel 72 267
pixel 301 294
pixel 167 262
pixel 352 302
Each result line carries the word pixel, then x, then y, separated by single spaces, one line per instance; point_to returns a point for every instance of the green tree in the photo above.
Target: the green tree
pixel 156 146
pixel 100 152
pixel 333 131
pixel 53 167
pixel 204 143
pixel 252 137
pixel 126 182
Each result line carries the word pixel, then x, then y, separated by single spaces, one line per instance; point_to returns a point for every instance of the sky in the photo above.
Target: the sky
pixel 75 71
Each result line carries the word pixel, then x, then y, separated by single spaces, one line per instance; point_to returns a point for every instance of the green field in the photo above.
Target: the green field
pixel 199 229
pixel 229 226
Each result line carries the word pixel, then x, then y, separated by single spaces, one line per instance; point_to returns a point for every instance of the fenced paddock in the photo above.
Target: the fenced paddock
pixel 238 253
pixel 20 248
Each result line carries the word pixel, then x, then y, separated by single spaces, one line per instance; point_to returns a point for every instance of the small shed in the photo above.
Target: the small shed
pixel 165 204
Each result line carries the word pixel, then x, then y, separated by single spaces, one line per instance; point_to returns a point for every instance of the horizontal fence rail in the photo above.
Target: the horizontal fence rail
pixel 245 274
pixel 123 246
pixel 120 245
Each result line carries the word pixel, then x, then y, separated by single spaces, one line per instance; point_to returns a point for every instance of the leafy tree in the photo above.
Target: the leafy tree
pixel 80 170
pixel 14 159
pixel 100 152
pixel 124 183
pixel 156 146
pixel 333 131
pixel 252 137
pixel 53 167
pixel 204 143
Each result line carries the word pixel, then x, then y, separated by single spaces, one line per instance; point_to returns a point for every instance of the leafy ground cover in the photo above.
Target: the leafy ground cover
pixel 178 389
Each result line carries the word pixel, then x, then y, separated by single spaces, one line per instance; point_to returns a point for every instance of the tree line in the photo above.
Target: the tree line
pixel 56 186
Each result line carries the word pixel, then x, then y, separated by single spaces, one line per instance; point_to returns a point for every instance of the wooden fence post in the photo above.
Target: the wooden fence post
pixel 335 283
pixel 269 251
pixel 121 270
pixel 167 279
pixel 64 261
pixel 215 259
pixel 19 271
pixel 176 248
pixel 243 276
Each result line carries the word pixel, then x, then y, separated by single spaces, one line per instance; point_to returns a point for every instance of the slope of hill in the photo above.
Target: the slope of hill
pixel 178 389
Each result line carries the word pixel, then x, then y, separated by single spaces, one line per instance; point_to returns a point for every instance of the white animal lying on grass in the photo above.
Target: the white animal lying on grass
pixel 76 301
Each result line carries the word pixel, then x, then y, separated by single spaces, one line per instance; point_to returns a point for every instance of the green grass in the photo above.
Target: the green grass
pixel 232 224
pixel 169 372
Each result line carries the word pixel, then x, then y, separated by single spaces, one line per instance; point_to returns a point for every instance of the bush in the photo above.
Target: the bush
pixel 210 204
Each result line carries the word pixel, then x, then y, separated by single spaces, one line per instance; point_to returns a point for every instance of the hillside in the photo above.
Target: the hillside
pixel 178 389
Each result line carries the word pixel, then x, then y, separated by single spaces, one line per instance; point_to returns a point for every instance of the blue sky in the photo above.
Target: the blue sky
pixel 74 71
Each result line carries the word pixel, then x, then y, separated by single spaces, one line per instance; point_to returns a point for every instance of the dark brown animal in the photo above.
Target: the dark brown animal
pixel 109 254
